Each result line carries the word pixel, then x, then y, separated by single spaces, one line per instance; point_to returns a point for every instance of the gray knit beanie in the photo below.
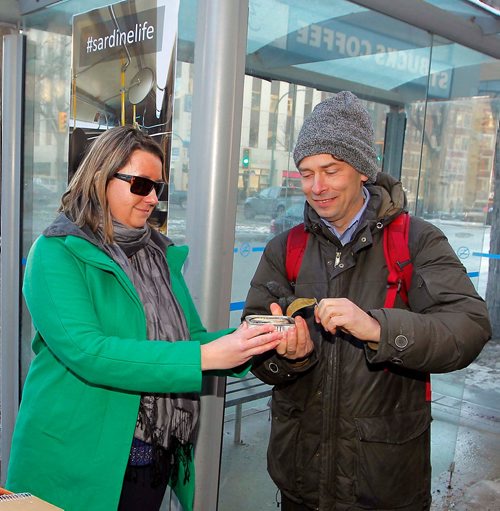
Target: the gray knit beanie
pixel 340 126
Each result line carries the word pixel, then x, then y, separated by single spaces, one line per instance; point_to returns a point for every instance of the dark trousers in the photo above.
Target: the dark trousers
pixel 138 494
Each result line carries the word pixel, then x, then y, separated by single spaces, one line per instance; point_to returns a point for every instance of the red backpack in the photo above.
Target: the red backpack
pixel 397 258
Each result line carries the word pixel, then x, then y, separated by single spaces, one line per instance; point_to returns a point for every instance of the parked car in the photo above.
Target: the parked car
pixel 293 215
pixel 177 197
pixel 159 216
pixel 45 196
pixel 481 212
pixel 272 201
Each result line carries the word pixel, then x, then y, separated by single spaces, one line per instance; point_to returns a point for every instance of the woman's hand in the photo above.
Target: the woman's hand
pixel 297 342
pixel 239 347
pixel 341 313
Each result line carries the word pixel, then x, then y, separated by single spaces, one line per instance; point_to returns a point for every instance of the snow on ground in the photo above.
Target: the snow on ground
pixel 484 372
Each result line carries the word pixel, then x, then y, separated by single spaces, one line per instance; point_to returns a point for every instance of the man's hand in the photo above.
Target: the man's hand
pixel 341 313
pixel 297 342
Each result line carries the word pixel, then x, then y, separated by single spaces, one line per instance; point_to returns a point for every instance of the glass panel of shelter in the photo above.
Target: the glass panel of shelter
pixel 411 83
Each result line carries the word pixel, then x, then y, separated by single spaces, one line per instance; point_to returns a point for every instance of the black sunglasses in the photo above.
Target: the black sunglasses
pixel 141 185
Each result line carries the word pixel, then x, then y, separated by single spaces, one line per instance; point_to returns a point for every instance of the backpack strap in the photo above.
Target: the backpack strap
pixel 295 248
pixel 400 268
pixel 397 258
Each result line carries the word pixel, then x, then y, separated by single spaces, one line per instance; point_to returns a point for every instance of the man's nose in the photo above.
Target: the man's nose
pixel 318 183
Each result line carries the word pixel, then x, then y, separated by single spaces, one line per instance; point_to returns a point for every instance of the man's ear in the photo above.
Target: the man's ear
pixel 364 178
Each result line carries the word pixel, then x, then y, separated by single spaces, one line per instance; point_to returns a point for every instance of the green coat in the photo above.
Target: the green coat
pixel 81 397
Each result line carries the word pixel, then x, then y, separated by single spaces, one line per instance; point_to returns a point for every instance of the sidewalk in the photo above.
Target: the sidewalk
pixel 475 482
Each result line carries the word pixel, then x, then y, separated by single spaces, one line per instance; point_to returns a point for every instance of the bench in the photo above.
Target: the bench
pixel 244 390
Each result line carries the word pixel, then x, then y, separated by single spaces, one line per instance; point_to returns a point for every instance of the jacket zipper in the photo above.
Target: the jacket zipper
pixel 328 470
pixel 330 420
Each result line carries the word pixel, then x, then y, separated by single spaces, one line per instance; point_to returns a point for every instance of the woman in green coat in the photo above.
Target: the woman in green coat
pixel 110 405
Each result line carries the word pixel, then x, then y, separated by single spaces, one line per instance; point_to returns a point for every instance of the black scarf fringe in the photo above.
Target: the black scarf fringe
pixel 166 464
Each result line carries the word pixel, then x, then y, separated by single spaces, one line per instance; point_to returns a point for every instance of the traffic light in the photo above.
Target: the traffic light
pixel 379 148
pixel 63 121
pixel 245 160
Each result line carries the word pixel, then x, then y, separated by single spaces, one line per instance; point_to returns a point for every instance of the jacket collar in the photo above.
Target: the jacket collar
pixel 62 226
pixel 87 246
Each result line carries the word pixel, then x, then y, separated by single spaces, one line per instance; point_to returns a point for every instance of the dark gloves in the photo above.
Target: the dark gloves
pixel 284 296
pixel 289 303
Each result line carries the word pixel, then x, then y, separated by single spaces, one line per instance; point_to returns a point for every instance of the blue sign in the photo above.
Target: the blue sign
pixel 245 249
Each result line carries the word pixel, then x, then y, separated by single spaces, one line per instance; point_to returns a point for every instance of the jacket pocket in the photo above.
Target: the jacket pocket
pixel 393 466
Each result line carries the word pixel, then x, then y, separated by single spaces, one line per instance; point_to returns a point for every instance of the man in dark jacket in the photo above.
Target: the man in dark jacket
pixel 350 415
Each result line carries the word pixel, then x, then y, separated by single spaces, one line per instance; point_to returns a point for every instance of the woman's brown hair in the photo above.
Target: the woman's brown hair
pixel 85 200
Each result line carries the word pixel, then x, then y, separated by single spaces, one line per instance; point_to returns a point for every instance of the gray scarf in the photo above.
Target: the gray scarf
pixel 164 420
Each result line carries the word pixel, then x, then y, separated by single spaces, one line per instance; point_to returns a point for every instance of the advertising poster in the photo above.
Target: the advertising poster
pixel 124 59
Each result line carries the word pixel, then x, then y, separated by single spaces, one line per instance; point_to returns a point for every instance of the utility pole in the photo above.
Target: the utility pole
pixel 493 286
